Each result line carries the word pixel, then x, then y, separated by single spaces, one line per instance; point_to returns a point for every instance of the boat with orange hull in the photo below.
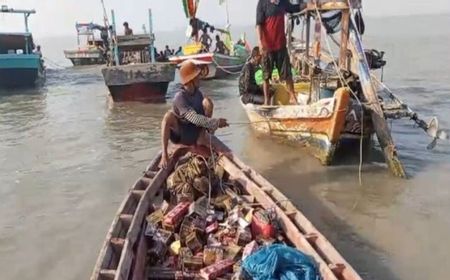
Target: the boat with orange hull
pixel 135 246
pixel 321 126
pixel 326 117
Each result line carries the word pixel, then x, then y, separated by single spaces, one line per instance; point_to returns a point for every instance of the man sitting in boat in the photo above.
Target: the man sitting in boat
pixel 249 91
pixel 270 30
pixel 127 30
pixel 220 46
pixel 206 40
pixel 190 121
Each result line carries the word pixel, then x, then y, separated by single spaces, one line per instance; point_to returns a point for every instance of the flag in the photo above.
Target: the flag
pixel 190 7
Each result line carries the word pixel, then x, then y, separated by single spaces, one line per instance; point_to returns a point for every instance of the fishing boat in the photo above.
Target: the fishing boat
pixel 217 65
pixel 132 73
pixel 20 64
pixel 340 98
pixel 135 245
pixel 93 50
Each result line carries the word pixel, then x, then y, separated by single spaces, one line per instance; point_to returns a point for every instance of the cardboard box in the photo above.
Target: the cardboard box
pixel 212 255
pixel 218 269
pixel 194 242
pixel 192 263
pixel 176 215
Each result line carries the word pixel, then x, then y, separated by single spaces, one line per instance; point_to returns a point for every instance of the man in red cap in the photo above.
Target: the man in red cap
pixel 190 121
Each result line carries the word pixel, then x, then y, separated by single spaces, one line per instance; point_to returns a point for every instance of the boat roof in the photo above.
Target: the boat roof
pixel 133 42
pixel 15 40
pixel 23 34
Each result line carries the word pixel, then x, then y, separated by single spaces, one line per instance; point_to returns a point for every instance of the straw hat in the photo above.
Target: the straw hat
pixel 189 71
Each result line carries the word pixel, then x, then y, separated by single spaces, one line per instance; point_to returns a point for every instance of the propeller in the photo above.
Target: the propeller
pixel 436 133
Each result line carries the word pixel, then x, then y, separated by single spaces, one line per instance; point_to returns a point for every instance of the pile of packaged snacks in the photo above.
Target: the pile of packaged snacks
pixel 203 233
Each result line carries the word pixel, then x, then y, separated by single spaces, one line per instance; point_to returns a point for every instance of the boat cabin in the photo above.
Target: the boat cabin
pixel 88 30
pixel 16 43
pixel 133 49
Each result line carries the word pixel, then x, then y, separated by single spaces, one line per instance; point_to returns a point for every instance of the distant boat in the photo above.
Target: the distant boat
pixel 92 51
pixel 218 65
pixel 133 74
pixel 19 65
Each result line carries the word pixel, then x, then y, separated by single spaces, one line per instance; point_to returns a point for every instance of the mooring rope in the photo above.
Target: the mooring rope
pixel 223 68
pixel 46 59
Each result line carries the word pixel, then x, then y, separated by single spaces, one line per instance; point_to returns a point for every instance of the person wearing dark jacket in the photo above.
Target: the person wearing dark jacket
pixel 249 91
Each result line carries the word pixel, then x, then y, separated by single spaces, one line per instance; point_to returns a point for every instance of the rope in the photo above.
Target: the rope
pixel 356 97
pixel 53 63
pixel 223 68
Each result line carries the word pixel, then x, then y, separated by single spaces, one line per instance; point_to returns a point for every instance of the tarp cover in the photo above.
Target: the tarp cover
pixel 280 262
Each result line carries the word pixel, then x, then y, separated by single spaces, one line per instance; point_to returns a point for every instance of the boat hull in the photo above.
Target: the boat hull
pixel 80 57
pixel 320 131
pixel 139 82
pixel 124 252
pixel 142 92
pixel 219 66
pixel 18 71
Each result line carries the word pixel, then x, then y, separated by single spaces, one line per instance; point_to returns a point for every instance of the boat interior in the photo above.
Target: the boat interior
pixel 129 252
pixel 16 43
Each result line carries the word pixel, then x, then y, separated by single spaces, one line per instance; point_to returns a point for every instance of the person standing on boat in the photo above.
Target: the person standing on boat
pixel 167 51
pixel 206 40
pixel 190 121
pixel 220 46
pixel 249 91
pixel 38 51
pixel 179 51
pixel 270 30
pixel 127 30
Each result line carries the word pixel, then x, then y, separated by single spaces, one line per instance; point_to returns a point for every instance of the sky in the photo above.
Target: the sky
pixel 58 17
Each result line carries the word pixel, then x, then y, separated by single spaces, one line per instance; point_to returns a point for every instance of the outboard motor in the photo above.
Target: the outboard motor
pixel 375 58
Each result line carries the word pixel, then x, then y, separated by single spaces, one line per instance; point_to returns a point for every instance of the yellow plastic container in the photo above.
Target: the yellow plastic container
pixel 281 96
pixel 193 48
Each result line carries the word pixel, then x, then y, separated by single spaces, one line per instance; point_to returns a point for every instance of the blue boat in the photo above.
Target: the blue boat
pixel 21 63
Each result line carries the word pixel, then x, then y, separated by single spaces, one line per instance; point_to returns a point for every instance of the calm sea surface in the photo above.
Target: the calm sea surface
pixel 68 156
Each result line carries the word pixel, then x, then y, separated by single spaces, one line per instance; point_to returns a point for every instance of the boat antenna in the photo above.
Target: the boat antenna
pixel 228 13
pixel 105 15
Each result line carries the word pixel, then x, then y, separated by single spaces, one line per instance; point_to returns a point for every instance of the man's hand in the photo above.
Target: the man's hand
pixel 223 123
pixel 262 49
pixel 164 161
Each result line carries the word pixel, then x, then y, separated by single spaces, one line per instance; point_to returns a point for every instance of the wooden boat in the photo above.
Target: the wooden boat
pixel 321 125
pixel 218 65
pixel 123 254
pixel 93 50
pixel 20 66
pixel 134 75
pixel 145 82
pixel 370 101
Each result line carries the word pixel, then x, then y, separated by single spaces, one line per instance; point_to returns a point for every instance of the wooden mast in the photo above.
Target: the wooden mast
pixel 350 38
